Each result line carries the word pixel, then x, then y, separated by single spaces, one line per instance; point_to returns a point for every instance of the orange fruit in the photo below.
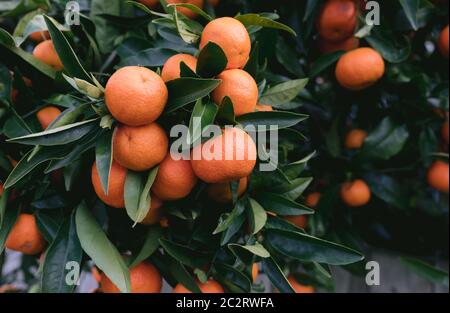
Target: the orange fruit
pixel 39 36
pixel 25 236
pixel 140 148
pixel 144 278
pixel 46 53
pixel 443 42
pixel 228 157
pixel 299 221
pixel 96 274
pixel 47 115
pixel 117 177
pixel 221 192
pixel 444 132
pixel 299 288
pixel 175 179
pixel 355 193
pixel 240 87
pixel 355 139
pixel 135 95
pixel 150 3
pixel 210 286
pixel 185 11
pixel 154 214
pixel 255 271
pixel 312 200
pixel 360 68
pixel 337 20
pixel 438 176
pixel 264 108
pixel 348 44
pixel 171 69
pixel 232 36
pixel 1 189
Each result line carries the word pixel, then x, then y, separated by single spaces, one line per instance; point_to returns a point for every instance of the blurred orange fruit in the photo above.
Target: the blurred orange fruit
pixel 299 288
pixel 221 192
pixel 355 193
pixel 443 42
pixel 438 176
pixel 46 53
pixel 355 139
pixel 210 286
pixel 154 214
pixel 312 200
pixel 337 20
pixel 25 236
pixel 47 115
pixel 171 69
pixel 39 36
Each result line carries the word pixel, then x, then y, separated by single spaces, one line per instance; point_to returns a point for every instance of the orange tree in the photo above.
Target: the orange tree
pixel 87 181
pixel 378 105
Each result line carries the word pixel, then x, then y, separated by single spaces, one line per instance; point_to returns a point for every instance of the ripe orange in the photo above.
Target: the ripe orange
pixel 187 12
pixel 355 193
pixel 348 44
pixel 135 95
pixel 299 288
pixel 337 20
pixel 47 115
pixel 45 52
pixel 312 200
pixel 264 108
pixel 210 286
pixel 221 192
pixel 117 177
pixel 140 148
pixel 299 221
pixel 96 274
pixel 255 271
pixel 360 68
pixel 355 139
pixel 154 215
pixel 175 179
pixel 443 42
pixel 39 36
pixel 25 236
pixel 232 36
pixel 444 132
pixel 150 3
pixel 228 157
pixel 144 278
pixel 438 176
pixel 171 69
pixel 240 87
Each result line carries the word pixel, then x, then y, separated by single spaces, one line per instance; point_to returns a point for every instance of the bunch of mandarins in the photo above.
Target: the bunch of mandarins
pixel 136 97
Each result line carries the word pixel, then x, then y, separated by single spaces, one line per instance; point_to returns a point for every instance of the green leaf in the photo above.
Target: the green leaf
pixel 58 136
pixel 394 49
pixel 324 61
pixel 257 216
pixel 258 20
pixel 9 219
pixel 150 245
pixel 193 8
pixel 252 66
pixel 104 158
pixel 64 249
pixel 182 276
pixel 186 32
pixel 152 57
pixel 3 202
pixel 386 141
pixel 5 84
pixel 105 256
pixel 280 205
pixel 69 59
pixel 284 92
pixel 427 271
pixel 137 194
pixel 185 255
pixel 257 249
pixel 271 120
pixel 211 61
pixel 105 33
pixel 25 166
pixel 389 190
pixel 183 91
pixel 49 222
pixel 203 115
pixel 276 275
pixel 226 222
pixel 232 279
pixel 226 114
pixel 307 248
pixel 411 7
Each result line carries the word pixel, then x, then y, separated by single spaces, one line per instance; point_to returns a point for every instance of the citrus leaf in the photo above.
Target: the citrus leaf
pixel 282 206
pixel 276 275
pixel 411 7
pixel 323 62
pixel 211 61
pixel 150 245
pixel 284 92
pixel 95 243
pixel 426 270
pixel 232 279
pixel 194 9
pixel 185 255
pixel 265 121
pixel 257 249
pixel 104 158
pixel 257 216
pixel 258 20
